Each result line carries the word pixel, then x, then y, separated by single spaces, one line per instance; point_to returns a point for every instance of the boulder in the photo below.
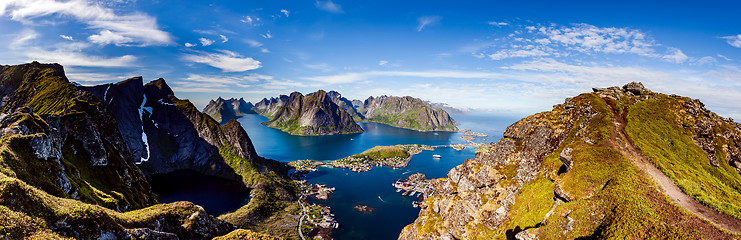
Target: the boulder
pixel 636 88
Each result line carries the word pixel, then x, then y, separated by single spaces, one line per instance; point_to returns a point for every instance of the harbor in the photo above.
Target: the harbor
pixel 415 185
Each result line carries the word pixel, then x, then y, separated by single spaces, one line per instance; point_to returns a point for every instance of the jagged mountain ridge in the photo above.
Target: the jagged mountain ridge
pixel 223 110
pixel 403 112
pixel 313 114
pixel 68 141
pixel 576 172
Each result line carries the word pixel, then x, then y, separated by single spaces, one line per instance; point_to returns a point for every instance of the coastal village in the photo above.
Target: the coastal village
pixel 397 156
pixel 415 185
pixel 317 220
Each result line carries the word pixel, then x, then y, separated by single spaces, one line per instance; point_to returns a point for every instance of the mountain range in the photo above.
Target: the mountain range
pixel 322 113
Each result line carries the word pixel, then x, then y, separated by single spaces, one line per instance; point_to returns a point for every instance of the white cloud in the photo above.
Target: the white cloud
pixel 286 12
pixel 676 56
pixel 253 43
pixel 206 41
pixel 67 54
pixel 223 38
pixel 190 45
pixel 577 40
pixel 267 35
pixel 329 6
pixel 264 50
pixel 359 76
pixel 23 37
pixel 708 60
pixel 72 58
pixel 720 89
pixel 382 62
pixel 106 37
pixel 422 22
pixel 225 60
pixel 90 77
pixel 324 67
pixel 67 37
pixel 247 19
pixel 123 30
pixel 733 40
pixel 724 57
pixel 498 24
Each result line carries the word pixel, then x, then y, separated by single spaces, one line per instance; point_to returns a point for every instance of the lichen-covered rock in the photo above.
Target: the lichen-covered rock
pixel 518 189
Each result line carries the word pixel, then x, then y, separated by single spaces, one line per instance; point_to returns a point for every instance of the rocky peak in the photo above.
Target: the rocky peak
pixel 313 114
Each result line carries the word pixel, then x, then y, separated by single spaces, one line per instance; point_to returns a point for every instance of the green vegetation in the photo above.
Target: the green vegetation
pixel 28 212
pixel 382 152
pixel 655 126
pixel 242 234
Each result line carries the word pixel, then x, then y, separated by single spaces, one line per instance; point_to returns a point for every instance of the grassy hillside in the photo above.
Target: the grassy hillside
pixel 587 185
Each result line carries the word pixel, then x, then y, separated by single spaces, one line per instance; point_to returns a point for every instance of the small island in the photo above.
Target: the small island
pixel 363 208
pixel 396 156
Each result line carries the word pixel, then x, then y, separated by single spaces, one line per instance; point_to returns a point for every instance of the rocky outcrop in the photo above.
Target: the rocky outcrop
pixel 64 141
pixel 406 112
pixel 32 213
pixel 313 114
pixel 223 110
pixel 568 173
pixel 345 104
pixel 71 160
pixel 270 107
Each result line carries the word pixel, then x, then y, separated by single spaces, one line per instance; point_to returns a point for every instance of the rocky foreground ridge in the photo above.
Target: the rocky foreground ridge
pixel 579 171
pixel 73 161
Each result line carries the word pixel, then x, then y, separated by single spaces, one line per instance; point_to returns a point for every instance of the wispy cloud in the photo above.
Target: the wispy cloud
pixel 190 45
pixel 324 67
pixel 676 56
pixel 359 76
pixel 206 41
pixel 577 40
pixel 67 37
pixel 285 12
pixel 498 24
pixel 267 35
pixel 122 30
pixel 67 54
pixel 223 38
pixel 329 6
pixel 422 22
pixel 733 40
pixel 382 62
pixel 227 61
pixel 253 43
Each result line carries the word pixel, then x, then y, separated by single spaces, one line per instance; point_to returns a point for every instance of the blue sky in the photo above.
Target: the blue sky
pixel 514 57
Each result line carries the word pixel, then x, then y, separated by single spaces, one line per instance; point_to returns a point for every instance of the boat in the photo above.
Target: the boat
pixel 436 156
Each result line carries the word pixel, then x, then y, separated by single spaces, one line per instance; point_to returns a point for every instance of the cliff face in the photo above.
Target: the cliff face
pixel 406 112
pixel 345 104
pixel 69 154
pixel 580 171
pixel 223 110
pixel 313 114
pixel 64 141
pixel 270 107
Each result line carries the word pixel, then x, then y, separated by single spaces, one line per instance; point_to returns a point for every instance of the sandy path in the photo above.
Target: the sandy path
pixel 668 187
